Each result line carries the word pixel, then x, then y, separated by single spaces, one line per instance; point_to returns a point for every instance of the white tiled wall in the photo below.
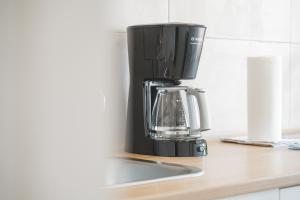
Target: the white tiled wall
pixel 295 85
pixel 243 19
pixel 236 29
pixel 130 12
pixel 295 64
pixel 295 21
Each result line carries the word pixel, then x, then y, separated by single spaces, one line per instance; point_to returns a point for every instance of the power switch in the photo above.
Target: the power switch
pixel 199 148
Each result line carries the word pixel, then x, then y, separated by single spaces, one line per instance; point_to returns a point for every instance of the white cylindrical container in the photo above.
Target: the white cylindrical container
pixel 264 98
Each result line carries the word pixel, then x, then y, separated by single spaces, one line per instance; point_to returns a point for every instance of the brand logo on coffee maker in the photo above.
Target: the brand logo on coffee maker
pixel 195 40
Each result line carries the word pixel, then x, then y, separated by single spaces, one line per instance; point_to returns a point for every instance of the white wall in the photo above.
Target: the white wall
pixel 236 29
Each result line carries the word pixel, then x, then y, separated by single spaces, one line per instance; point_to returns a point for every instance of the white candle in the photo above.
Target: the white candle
pixel 264 98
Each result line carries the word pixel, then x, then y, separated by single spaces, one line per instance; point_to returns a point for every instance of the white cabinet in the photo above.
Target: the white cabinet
pixel 290 193
pixel 263 195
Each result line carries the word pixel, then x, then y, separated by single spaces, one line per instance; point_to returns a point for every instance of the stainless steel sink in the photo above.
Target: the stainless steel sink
pixel 130 171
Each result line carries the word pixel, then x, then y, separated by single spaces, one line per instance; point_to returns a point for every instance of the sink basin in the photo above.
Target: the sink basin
pixel 131 171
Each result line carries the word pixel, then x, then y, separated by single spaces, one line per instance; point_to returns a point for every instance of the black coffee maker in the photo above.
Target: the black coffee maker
pixel 164 117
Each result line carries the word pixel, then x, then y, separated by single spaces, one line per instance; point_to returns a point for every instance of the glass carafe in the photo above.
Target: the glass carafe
pixel 179 113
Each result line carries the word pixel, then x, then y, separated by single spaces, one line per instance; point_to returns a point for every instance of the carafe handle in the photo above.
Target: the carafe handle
pixel 203 109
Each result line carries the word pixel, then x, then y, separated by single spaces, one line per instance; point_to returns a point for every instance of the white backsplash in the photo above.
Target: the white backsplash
pixel 244 19
pixel 236 29
pixel 295 83
pixel 130 12
pixel 295 21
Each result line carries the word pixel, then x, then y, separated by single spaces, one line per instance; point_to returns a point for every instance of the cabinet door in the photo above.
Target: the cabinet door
pixel 290 193
pixel 263 195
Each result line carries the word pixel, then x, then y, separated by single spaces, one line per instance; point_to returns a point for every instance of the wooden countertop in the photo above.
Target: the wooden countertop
pixel 230 169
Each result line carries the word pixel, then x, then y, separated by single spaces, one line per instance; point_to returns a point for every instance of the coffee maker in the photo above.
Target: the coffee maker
pixel 165 118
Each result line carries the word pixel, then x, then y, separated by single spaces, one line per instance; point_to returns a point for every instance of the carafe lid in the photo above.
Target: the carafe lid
pixel 176 88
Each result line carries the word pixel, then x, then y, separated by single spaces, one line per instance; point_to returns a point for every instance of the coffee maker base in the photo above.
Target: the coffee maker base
pixel 169 148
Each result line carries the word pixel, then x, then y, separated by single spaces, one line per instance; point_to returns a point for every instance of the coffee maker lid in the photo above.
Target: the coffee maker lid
pixel 178 24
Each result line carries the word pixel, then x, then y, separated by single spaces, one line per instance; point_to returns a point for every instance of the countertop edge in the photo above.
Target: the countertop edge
pixel 228 190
